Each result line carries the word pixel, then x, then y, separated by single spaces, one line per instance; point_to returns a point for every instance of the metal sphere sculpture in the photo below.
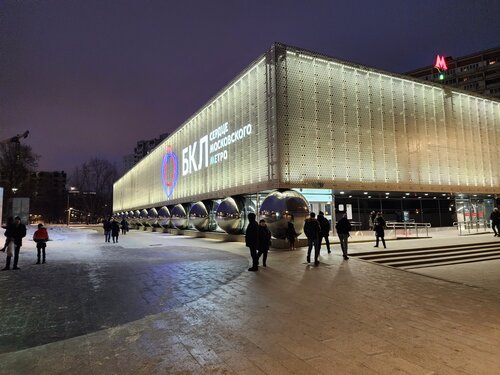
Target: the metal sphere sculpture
pixel 137 217
pixel 144 217
pixel 278 208
pixel 179 218
pixel 152 217
pixel 201 216
pixel 131 218
pixel 231 214
pixel 164 217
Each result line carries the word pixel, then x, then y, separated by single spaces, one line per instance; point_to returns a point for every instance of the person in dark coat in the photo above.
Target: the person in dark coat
pixel 325 230
pixel 343 228
pixel 312 230
pixel 115 230
pixel 379 227
pixel 124 226
pixel 106 225
pixel 495 221
pixel 264 241
pixel 15 232
pixel 291 234
pixel 252 240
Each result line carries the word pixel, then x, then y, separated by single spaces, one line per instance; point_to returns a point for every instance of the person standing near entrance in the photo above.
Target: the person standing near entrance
pixel 325 230
pixel 495 221
pixel 312 230
pixel 343 228
pixel 291 235
pixel 264 241
pixel 252 240
pixel 15 232
pixel 379 227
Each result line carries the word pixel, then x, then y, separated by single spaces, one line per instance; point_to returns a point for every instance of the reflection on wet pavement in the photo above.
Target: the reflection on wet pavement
pixel 67 298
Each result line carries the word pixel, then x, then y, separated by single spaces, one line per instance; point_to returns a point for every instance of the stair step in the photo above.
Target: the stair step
pixel 431 254
pixel 440 260
pixel 449 263
pixel 425 248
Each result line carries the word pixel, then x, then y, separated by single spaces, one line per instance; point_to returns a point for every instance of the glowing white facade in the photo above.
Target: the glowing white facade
pixel 295 119
pixel 350 127
pixel 222 150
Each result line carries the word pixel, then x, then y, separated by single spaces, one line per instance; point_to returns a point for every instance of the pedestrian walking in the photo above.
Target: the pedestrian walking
pixel 115 230
pixel 291 234
pixel 343 228
pixel 15 232
pixel 264 242
pixel 252 240
pixel 495 221
pixel 124 226
pixel 106 225
pixel 325 230
pixel 379 227
pixel 40 237
pixel 371 220
pixel 312 230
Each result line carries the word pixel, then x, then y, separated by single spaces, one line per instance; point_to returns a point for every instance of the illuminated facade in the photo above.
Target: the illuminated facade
pixel 299 120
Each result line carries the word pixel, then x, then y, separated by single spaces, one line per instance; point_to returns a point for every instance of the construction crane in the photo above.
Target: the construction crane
pixel 16 138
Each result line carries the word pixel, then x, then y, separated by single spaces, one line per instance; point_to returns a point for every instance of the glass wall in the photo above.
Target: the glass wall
pixel 438 210
pixel 473 209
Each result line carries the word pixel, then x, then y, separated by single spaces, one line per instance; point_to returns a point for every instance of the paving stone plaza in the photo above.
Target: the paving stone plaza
pixel 163 304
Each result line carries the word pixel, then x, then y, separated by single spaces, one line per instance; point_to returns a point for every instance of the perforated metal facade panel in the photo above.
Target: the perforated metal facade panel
pixel 209 164
pixel 348 127
pixel 316 122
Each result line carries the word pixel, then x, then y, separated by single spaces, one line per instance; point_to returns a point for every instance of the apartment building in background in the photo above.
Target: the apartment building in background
pixel 478 72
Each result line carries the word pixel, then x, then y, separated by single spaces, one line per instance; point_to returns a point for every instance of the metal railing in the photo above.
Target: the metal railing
pixel 472 227
pixel 356 225
pixel 408 228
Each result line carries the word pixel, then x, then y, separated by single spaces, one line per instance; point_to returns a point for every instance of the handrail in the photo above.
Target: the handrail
pixel 465 227
pixel 408 226
pixel 356 223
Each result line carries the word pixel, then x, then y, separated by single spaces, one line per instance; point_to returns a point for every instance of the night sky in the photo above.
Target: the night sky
pixel 89 78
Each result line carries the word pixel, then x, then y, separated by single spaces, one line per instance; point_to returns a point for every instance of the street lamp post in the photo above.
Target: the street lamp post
pixel 69 214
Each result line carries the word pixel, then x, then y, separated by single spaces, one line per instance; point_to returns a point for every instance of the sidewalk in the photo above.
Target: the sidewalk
pixel 342 317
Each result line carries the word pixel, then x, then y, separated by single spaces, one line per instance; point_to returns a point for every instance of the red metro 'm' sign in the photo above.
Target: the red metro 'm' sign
pixel 440 63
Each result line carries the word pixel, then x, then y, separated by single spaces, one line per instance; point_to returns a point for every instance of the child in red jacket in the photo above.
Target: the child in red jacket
pixel 41 237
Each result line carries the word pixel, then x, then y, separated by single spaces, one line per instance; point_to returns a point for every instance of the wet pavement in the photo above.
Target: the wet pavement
pixel 205 314
pixel 101 285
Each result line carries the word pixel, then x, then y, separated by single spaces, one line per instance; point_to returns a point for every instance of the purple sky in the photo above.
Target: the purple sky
pixel 92 77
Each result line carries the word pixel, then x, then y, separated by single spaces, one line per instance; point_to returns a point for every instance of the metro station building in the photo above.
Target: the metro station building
pixel 297 128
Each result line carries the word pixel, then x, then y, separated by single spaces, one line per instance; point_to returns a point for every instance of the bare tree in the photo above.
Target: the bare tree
pixel 17 162
pixel 94 181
